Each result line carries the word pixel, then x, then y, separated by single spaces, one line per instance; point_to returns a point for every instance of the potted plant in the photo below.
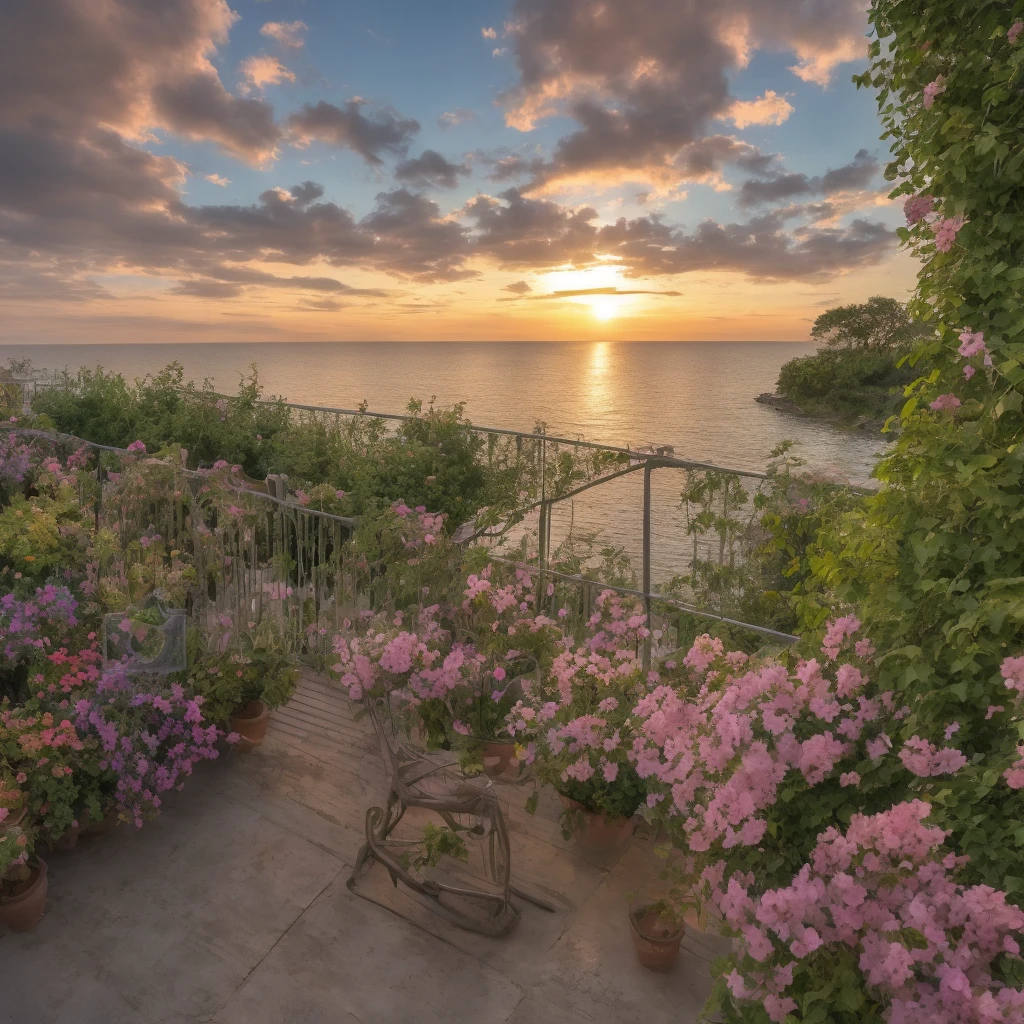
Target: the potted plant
pixel 657 927
pixel 575 725
pixel 243 679
pixel 22 880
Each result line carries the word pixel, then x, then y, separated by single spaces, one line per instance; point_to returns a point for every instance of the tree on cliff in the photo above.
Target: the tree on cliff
pixel 881 324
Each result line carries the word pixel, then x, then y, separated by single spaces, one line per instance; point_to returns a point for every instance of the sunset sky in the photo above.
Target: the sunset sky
pixel 186 170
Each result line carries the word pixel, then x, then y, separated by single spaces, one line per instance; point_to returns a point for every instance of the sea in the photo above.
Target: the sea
pixel 698 397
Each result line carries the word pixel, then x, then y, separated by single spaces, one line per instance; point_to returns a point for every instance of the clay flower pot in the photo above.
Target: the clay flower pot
pixel 12 821
pixel 594 831
pixel 656 936
pixel 498 757
pixel 251 724
pixel 23 909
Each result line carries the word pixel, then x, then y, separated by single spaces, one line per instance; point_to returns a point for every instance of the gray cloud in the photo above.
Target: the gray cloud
pixel 517 288
pixel 347 127
pixel 430 169
pixel 644 78
pixel 524 233
pixel 782 187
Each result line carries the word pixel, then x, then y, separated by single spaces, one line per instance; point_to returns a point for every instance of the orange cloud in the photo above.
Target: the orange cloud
pixel 261 71
pixel 771 108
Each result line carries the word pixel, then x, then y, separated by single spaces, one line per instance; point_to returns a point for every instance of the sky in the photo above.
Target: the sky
pixel 274 170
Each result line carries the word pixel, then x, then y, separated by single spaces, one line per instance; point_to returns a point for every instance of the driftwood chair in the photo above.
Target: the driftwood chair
pixel 468 806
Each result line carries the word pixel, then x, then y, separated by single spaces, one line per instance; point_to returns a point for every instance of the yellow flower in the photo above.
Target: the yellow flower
pixel 30 558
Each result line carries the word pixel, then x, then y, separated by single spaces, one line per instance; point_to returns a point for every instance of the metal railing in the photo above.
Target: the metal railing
pixel 542 451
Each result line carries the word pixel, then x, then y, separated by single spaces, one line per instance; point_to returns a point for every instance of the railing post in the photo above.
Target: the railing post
pixel 647 564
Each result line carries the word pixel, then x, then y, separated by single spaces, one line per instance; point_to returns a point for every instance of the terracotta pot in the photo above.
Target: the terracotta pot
pixel 23 911
pixel 67 842
pixel 101 827
pixel 12 821
pixel 498 757
pixel 251 724
pixel 656 938
pixel 596 832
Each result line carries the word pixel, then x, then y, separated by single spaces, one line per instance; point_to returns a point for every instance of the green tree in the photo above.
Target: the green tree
pixel 880 324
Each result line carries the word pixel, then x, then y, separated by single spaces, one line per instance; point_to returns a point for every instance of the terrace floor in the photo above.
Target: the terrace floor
pixel 232 908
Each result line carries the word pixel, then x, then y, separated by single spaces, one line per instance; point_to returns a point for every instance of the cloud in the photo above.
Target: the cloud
pixel 489 33
pixel 572 293
pixel 81 194
pixel 65 71
pixel 306 193
pixel 643 79
pixel 216 179
pixel 259 72
pixel 517 288
pixel 430 169
pixel 499 51
pixel 783 187
pixel 287 33
pixel 519 232
pixel 451 118
pixel 767 109
pixel 347 127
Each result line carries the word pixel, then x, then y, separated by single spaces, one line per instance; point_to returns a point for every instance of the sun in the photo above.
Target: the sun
pixel 604 308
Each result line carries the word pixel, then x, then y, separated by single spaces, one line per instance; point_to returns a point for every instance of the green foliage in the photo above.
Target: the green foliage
pixel 846 384
pixel 241 668
pixel 437 842
pixel 881 324
pixel 935 560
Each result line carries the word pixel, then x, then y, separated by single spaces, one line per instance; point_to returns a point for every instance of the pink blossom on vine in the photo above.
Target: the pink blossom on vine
pixel 916 208
pixel 1014 775
pixel 972 344
pixel 944 402
pixel 1014 31
pixel 933 89
pixel 924 759
pixel 1012 670
pixel 946 231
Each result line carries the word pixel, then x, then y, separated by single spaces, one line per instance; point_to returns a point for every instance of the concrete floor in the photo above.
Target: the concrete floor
pixel 232 908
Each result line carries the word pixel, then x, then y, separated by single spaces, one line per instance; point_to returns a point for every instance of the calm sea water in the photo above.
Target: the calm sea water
pixel 696 396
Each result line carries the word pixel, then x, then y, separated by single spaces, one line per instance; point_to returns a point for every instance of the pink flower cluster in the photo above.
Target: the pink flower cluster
pixel 945 403
pixel 917 208
pixel 933 89
pixel 721 758
pixel 946 231
pixel 885 891
pixel 972 345
pixel 1014 31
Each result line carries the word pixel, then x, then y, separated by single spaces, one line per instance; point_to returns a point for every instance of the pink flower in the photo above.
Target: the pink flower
pixel 933 89
pixel 944 402
pixel 1014 31
pixel 137 446
pixel 916 208
pixel 946 232
pixel 849 779
pixel 969 371
pixel 972 344
pixel 1012 670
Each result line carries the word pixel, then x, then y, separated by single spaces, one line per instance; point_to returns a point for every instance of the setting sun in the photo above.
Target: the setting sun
pixel 605 307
